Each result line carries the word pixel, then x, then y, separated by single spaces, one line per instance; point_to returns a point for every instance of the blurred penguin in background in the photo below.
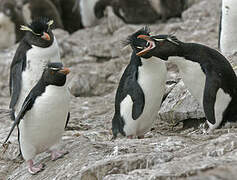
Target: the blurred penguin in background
pixel 146 11
pixel 11 18
pixel 34 9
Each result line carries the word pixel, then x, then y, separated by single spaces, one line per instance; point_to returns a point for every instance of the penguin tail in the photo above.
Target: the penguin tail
pixel 12 115
pixel 230 113
pixel 117 126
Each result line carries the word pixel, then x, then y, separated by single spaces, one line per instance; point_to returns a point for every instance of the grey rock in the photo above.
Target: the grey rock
pixel 164 153
pixel 180 105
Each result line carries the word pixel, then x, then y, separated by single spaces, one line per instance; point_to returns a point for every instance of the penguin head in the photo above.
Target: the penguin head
pixel 139 44
pixel 163 46
pixel 39 32
pixel 55 74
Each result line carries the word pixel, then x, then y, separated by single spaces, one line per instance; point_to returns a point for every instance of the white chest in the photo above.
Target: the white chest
pixel 36 60
pixel 228 44
pixel 87 12
pixel 194 79
pixel 43 125
pixel 151 78
pixel 192 76
pixel 7 31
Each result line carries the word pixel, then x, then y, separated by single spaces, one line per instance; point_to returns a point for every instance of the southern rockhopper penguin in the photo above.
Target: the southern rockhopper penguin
pixel 206 73
pixel 45 111
pixel 36 49
pixel 139 94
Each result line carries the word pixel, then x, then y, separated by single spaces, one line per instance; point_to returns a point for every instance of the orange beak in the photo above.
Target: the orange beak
pixel 46 36
pixel 65 71
pixel 151 45
pixel 145 37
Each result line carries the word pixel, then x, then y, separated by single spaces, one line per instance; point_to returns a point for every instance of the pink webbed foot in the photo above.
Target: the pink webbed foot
pixel 130 137
pixel 55 154
pixel 34 169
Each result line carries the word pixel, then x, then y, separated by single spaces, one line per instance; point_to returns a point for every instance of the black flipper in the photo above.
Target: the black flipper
pixel 209 99
pixel 68 117
pixel 27 105
pixel 136 93
pixel 18 65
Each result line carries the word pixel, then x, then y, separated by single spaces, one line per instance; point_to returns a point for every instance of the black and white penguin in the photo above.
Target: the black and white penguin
pixel 36 49
pixel 206 73
pixel 146 11
pixel 228 27
pixel 10 20
pixel 71 17
pixel 43 8
pixel 88 12
pixel 139 94
pixel 45 111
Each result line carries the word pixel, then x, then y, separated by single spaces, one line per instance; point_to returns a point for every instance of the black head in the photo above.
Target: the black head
pixel 39 32
pixel 55 74
pixel 139 44
pixel 163 46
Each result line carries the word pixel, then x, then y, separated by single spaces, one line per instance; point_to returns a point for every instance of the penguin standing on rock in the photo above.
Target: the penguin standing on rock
pixel 36 49
pixel 45 111
pixel 140 92
pixel 206 73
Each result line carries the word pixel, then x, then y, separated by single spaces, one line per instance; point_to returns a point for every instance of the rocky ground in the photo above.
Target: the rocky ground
pixel 97 59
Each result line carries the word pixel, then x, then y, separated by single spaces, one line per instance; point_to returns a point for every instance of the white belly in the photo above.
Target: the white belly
pixel 152 78
pixel 37 58
pixel 222 101
pixel 192 76
pixel 43 125
pixel 228 44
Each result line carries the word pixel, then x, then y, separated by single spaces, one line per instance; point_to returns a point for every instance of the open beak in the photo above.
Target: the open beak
pixel 46 36
pixel 151 44
pixel 65 71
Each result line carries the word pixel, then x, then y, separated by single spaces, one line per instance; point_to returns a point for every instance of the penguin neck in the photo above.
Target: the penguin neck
pixel 40 86
pixel 136 60
pixel 192 51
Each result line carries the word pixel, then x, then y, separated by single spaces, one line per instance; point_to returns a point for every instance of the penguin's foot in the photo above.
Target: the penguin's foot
pixel 55 154
pixel 33 169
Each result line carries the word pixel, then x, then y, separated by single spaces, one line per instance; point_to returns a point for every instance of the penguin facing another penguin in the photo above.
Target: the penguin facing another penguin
pixel 45 111
pixel 215 83
pixel 139 94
